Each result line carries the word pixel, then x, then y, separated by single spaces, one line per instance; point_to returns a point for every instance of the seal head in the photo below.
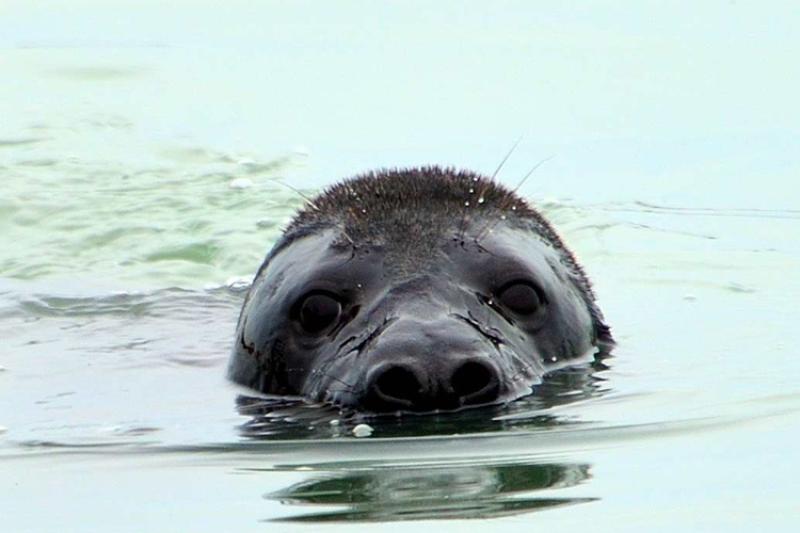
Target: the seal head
pixel 422 290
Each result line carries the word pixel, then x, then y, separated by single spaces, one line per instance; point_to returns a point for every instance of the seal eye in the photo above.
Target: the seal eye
pixel 318 311
pixel 521 298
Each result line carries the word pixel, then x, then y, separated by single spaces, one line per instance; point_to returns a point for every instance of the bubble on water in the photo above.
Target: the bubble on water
pixel 481 200
pixel 553 359
pixel 241 183
pixel 471 190
pixel 502 217
pixel 364 211
pixel 475 178
pixel 362 430
pixel 265 223
pixel 513 208
pixel 359 285
pixel 466 204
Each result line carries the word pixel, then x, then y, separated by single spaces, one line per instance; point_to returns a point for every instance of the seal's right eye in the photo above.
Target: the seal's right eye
pixel 318 311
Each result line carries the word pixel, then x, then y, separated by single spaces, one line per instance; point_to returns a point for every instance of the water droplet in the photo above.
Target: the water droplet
pixel 362 430
pixel 502 217
pixel 553 359
pixel 513 208
pixel 466 204
pixel 359 285
pixel 475 178
pixel 471 190
pixel 364 211
pixel 480 200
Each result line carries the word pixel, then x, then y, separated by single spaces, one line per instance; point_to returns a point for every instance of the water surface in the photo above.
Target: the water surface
pixel 146 151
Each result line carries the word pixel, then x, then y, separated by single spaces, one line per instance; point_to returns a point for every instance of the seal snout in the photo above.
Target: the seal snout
pixel 407 386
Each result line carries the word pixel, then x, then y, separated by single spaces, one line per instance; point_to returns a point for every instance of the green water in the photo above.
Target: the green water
pixel 149 157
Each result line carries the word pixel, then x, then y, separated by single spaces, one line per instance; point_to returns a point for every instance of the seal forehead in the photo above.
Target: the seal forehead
pixel 410 210
pixel 408 213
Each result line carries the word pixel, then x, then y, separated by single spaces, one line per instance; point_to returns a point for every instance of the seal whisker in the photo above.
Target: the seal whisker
pixel 530 172
pixel 482 192
pixel 302 195
pixel 510 197
pixel 507 156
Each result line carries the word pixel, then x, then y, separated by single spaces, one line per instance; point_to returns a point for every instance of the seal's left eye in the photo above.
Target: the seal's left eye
pixel 318 311
pixel 521 298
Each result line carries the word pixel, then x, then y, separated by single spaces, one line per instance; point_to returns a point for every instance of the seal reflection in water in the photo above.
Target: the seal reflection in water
pixel 421 290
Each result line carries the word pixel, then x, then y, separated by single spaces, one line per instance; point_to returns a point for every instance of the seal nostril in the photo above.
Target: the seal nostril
pixel 396 387
pixel 475 382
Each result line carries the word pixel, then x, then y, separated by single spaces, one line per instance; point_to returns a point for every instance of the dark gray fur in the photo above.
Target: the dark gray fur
pixel 407 273
pixel 413 208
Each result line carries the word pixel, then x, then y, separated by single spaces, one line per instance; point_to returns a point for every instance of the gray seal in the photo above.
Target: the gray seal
pixel 423 289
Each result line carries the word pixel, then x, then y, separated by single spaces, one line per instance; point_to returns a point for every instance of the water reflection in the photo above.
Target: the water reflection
pixel 382 488
pixel 417 493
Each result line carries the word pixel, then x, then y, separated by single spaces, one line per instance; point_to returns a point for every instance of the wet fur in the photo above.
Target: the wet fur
pixel 410 210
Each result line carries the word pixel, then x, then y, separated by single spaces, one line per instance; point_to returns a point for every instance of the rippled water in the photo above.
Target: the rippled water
pixel 150 157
